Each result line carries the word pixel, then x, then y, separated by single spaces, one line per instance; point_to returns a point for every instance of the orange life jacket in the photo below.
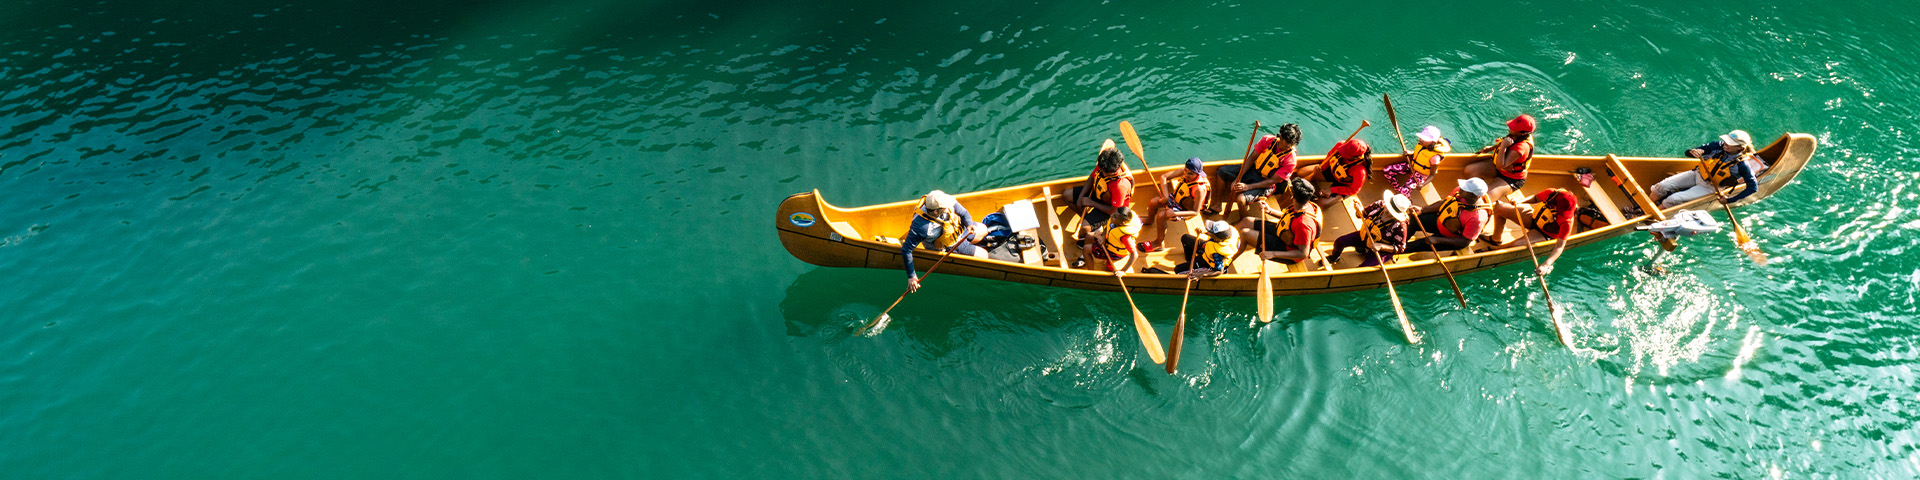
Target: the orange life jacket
pixel 1517 170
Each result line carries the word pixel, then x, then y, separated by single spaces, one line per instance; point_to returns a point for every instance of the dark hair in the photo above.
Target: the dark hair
pixel 1122 215
pixel 1290 133
pixel 1110 160
pixel 1302 190
pixel 1520 136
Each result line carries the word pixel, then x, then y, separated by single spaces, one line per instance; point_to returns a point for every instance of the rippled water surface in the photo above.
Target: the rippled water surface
pixel 533 239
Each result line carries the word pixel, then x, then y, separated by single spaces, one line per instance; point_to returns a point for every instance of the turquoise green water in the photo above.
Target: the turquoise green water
pixel 534 239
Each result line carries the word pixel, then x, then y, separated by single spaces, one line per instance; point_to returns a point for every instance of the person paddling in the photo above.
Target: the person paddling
pixel 1506 170
pixel 1342 173
pixel 1727 162
pixel 1553 219
pixel 1265 169
pixel 1416 168
pixel 1113 243
pixel 1287 240
pixel 1208 250
pixel 1108 189
pixel 1383 235
pixel 1455 222
pixel 1189 188
pixel 939 223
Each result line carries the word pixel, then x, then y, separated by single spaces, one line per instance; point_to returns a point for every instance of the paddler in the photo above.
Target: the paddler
pixel 1383 235
pixel 939 223
pixel 1112 243
pixel 1553 219
pixel 1107 189
pixel 1506 170
pixel 1288 239
pixel 1454 223
pixel 1723 163
pixel 1208 250
pixel 1190 188
pixel 1417 167
pixel 1265 169
pixel 1342 173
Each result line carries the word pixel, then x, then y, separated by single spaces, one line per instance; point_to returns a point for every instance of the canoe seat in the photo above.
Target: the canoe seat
pixel 1428 195
pixel 1604 203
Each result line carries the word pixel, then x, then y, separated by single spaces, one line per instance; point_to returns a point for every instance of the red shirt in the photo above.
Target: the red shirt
pixel 1562 225
pixel 1306 229
pixel 1287 162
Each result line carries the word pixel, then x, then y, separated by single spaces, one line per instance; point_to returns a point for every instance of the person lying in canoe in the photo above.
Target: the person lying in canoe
pixel 1384 235
pixel 1261 172
pixel 1455 222
pixel 1723 163
pixel 1108 189
pixel 940 223
pixel 1506 170
pixel 1288 239
pixel 1112 244
pixel 1209 250
pixel 1416 168
pixel 1553 219
pixel 1189 188
pixel 1342 173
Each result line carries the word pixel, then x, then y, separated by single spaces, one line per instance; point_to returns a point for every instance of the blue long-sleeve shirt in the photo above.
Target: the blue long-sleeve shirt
pixel 1740 169
pixel 926 232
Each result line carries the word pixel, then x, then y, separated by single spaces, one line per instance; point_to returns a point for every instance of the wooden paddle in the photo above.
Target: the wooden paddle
pixel 1442 261
pixel 1406 327
pixel 1133 143
pixel 1147 338
pixel 1395 120
pixel 1180 325
pixel 903 295
pixel 1263 291
pixel 1553 313
pixel 1740 238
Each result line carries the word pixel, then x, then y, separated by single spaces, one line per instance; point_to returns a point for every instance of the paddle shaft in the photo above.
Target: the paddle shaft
pixel 1148 339
pixel 1395 120
pixel 1536 273
pixel 903 295
pixel 1406 327
pixel 1442 261
pixel 1740 238
pixel 1180 325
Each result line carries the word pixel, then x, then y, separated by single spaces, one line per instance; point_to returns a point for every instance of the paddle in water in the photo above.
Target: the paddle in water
pixel 1554 313
pixel 1740 238
pixel 883 319
pixel 1148 338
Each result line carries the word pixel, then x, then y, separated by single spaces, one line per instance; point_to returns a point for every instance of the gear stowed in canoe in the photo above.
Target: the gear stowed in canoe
pixel 823 234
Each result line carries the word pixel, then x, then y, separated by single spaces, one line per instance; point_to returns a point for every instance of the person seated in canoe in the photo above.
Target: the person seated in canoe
pixel 1342 173
pixel 1723 163
pixel 1288 239
pixel 1552 220
pixel 1108 189
pixel 1416 168
pixel 1506 170
pixel 1456 221
pixel 1384 235
pixel 1261 172
pixel 1112 244
pixel 1209 250
pixel 1189 188
pixel 940 223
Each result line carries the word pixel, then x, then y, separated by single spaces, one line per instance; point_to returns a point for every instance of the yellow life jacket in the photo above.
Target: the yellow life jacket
pixel 1426 158
pixel 1450 212
pixel 1518 169
pixel 1116 243
pixel 1214 253
pixel 1375 231
pixel 1101 180
pixel 1188 190
pixel 949 226
pixel 1309 210
pixel 1269 160
pixel 1546 217
pixel 1342 169
pixel 1719 168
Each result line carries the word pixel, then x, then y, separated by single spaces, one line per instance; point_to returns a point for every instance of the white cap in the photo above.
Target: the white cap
pixel 1429 134
pixel 1216 226
pixel 1475 185
pixel 1738 138
pixel 936 200
pixel 1397 206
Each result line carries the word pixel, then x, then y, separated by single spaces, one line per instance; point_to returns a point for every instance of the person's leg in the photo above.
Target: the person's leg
pixel 1369 258
pixel 1677 182
pixel 1481 168
pixel 1223 178
pixel 1340 246
pixel 1687 195
pixel 1502 213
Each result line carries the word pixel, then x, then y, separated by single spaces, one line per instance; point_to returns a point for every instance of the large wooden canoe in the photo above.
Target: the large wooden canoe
pixel 822 234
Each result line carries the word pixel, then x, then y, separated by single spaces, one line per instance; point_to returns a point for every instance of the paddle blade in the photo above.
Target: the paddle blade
pixel 1406 326
pixel 874 327
pixel 1173 345
pixel 1133 140
pixel 1263 296
pixel 1149 339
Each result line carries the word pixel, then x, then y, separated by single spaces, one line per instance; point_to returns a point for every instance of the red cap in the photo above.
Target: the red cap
pixel 1522 123
pixel 1351 148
